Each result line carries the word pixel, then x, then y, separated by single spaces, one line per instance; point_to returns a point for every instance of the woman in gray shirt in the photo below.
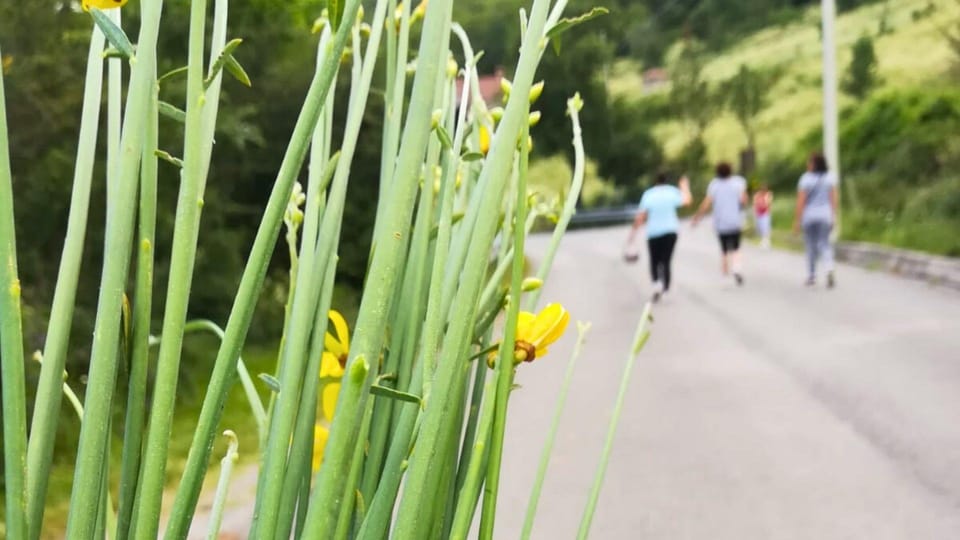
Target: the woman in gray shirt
pixel 816 213
pixel 727 194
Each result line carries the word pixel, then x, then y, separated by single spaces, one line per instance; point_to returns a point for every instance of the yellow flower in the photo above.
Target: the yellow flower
pixel 537 332
pixel 484 140
pixel 102 4
pixel 334 359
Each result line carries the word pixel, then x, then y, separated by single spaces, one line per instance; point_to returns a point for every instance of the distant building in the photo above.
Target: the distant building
pixel 655 80
pixel 489 88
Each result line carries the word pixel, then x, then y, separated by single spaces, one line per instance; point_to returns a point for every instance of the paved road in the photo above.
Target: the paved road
pixel 768 412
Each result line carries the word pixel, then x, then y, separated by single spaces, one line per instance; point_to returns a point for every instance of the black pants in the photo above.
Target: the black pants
pixel 661 252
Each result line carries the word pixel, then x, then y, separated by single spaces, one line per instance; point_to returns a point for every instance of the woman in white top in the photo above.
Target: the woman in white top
pixel 816 213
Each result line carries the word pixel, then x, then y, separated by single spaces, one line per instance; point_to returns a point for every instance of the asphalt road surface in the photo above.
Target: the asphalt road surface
pixel 771 411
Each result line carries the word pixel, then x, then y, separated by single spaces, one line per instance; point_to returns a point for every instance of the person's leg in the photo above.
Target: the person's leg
pixel 724 253
pixel 810 241
pixel 735 257
pixel 826 253
pixel 653 248
pixel 669 241
pixel 764 224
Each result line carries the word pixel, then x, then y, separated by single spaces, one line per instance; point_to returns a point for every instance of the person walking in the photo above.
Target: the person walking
pixel 762 201
pixel 816 214
pixel 658 215
pixel 727 195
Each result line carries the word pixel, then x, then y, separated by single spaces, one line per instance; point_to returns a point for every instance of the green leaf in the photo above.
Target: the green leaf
pixel 471 156
pixel 272 383
pixel 217 66
pixel 234 68
pixel 114 34
pixel 172 112
pixel 387 392
pixel 172 73
pixel 168 158
pixel 445 139
pixel 569 22
pixel 113 52
pixel 335 12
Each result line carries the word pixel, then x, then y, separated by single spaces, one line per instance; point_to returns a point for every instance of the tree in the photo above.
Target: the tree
pixel 747 94
pixel 692 99
pixel 861 75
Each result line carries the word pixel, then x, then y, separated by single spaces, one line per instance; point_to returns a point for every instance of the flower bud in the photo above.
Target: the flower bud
pixel 535 91
pixel 435 118
pixel 452 68
pixel 534 118
pixel 496 113
pixel 505 87
pixel 531 284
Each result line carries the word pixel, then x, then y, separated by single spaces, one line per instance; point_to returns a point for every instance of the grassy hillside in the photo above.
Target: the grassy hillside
pixel 912 52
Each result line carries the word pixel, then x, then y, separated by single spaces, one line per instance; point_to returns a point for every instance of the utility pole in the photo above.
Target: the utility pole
pixel 831 145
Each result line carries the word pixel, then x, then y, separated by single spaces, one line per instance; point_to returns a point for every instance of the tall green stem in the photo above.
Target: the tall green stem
pixel 11 349
pixel 639 340
pixel 121 206
pixel 552 434
pixel 46 409
pixel 254 274
pixel 183 256
pixel 505 367
pixel 371 323
pixel 142 317
pixel 448 384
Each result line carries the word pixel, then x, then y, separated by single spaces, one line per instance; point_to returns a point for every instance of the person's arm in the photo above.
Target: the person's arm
pixel 703 209
pixel 638 222
pixel 834 203
pixel 798 213
pixel 685 196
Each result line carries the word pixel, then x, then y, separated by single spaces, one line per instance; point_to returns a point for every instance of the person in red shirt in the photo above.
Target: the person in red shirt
pixel 762 200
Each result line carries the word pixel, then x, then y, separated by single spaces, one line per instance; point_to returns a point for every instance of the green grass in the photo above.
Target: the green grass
pixel 199 353
pixel 914 52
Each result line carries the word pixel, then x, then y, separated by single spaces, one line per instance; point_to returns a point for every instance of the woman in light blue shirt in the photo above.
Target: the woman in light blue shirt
pixel 658 215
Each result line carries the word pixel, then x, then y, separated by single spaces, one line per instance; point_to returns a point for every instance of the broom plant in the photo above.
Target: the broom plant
pixel 416 393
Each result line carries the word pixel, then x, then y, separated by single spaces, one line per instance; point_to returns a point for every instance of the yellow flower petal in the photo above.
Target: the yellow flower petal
pixel 549 325
pixel 484 140
pixel 330 393
pixel 524 325
pixel 102 4
pixel 320 436
pixel 330 366
pixel 340 326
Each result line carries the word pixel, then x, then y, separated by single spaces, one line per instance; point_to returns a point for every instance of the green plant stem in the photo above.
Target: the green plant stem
pixel 387 257
pixel 223 485
pixel 448 378
pixel 505 368
pixel 552 434
pixel 469 493
pixel 396 75
pixel 473 415
pixel 639 340
pixel 301 451
pixel 570 205
pixel 249 389
pixel 46 409
pixel 121 206
pixel 350 493
pixel 282 423
pixel 253 276
pixel 11 349
pixel 142 317
pixel 182 258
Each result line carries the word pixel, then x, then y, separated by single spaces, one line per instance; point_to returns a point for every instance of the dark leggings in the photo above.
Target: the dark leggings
pixel 661 252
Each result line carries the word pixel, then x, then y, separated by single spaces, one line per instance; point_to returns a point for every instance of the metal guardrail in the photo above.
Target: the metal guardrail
pixel 604 216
